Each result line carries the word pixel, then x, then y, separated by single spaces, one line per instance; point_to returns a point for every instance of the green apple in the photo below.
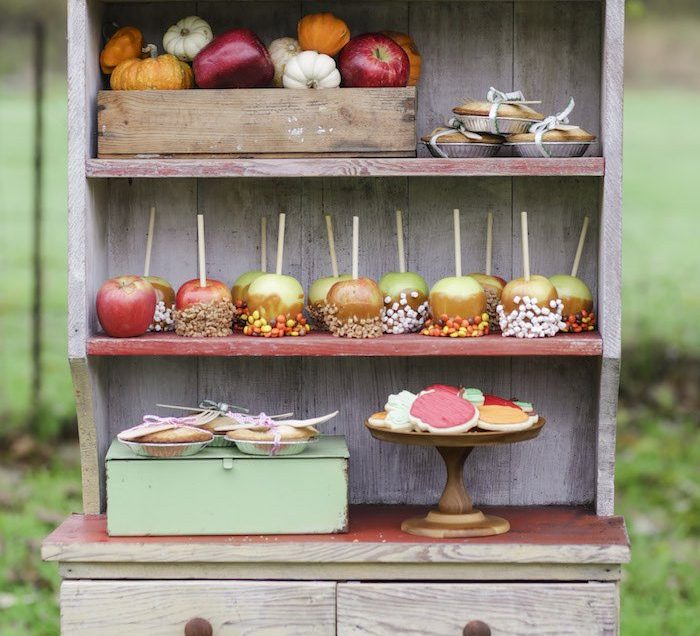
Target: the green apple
pixel 574 293
pixel 537 287
pixel 393 284
pixel 457 296
pixel 320 287
pixel 274 295
pixel 164 290
pixel 359 298
pixel 240 287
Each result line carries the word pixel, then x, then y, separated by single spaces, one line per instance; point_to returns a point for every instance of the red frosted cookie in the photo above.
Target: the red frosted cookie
pixel 443 413
pixel 494 400
pixel 444 387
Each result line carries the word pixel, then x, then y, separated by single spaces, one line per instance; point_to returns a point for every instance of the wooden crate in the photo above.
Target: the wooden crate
pixel 341 122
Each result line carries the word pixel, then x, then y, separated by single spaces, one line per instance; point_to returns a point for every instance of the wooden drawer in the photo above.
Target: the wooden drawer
pixel 509 608
pixel 163 608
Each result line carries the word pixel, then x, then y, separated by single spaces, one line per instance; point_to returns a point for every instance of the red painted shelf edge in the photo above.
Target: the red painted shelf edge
pixel 349 167
pixel 325 345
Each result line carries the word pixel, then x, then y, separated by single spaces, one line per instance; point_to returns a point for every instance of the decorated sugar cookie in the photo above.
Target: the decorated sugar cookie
pixel 497 417
pixel 447 388
pixel 494 400
pixel 475 396
pixel 398 408
pixel 525 406
pixel 442 413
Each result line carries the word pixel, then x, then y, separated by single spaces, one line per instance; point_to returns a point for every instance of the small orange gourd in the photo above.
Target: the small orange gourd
pixel 407 43
pixel 157 72
pixel 125 44
pixel 323 32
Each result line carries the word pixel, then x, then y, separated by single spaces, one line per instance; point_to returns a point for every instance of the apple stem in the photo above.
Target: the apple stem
pixel 399 241
pixel 579 249
pixel 149 241
pixel 489 242
pixel 263 244
pixel 458 243
pixel 526 245
pixel 331 245
pixel 200 250
pixel 280 244
pixel 355 245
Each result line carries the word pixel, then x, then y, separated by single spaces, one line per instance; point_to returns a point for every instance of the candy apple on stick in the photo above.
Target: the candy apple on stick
pixel 493 285
pixel 319 288
pixel 203 305
pixel 239 291
pixel 165 294
pixel 457 303
pixel 574 293
pixel 276 301
pixel 355 305
pixel 529 305
pixel 405 293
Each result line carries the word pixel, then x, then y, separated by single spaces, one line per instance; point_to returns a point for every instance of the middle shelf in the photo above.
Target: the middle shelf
pixel 323 344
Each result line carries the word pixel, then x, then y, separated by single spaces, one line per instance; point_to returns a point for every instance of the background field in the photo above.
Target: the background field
pixel 659 434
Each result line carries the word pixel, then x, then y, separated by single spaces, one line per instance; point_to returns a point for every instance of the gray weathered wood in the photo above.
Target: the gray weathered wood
pixel 517 609
pixel 606 436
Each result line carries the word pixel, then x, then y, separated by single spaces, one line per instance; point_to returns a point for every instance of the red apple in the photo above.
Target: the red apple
pixel 125 306
pixel 235 59
pixel 373 60
pixel 192 293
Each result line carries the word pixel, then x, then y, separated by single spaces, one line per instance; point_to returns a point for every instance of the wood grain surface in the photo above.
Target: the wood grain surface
pixel 513 609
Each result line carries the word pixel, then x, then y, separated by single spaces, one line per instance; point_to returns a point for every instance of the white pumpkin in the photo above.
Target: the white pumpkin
pixel 281 51
pixel 311 70
pixel 187 38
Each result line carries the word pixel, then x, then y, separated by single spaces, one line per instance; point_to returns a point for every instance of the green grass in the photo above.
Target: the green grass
pixel 658 452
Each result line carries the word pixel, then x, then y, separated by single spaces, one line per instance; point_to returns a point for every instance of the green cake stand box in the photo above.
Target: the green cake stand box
pixel 223 491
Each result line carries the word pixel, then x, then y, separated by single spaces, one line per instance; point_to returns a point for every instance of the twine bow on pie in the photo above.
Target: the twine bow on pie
pixel 258 421
pixel 156 424
pixel 553 122
pixel 453 126
pixel 497 98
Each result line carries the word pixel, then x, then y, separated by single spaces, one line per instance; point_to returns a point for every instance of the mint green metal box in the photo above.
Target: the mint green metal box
pixel 223 491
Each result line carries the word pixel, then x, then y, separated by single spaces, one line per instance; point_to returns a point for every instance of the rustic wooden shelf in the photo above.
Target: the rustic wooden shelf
pixel 324 344
pixel 560 536
pixel 350 167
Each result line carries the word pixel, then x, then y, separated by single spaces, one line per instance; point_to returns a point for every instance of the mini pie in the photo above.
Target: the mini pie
pixel 574 135
pixel 458 138
pixel 264 434
pixel 177 435
pixel 503 418
pixel 481 108
pixel 219 421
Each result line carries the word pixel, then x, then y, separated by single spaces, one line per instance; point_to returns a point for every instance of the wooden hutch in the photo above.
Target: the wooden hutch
pixel 557 571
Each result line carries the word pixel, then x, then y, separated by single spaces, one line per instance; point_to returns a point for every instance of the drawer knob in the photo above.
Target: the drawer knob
pixel 476 628
pixel 198 627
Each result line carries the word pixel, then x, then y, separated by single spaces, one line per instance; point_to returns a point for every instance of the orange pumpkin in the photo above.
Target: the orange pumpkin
pixel 406 42
pixel 323 32
pixel 125 44
pixel 157 72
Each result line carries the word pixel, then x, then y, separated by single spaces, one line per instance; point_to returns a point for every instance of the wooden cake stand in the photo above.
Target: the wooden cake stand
pixel 455 516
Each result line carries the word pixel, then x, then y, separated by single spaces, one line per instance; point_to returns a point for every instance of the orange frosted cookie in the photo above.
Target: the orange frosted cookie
pixel 503 418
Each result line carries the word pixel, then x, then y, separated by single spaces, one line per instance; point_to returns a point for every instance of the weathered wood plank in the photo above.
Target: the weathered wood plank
pixel 117 608
pixel 347 167
pixel 322 344
pixel 538 535
pixel 517 609
pixel 257 121
pixel 606 436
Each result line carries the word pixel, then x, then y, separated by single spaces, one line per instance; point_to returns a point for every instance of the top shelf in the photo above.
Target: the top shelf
pixel 351 167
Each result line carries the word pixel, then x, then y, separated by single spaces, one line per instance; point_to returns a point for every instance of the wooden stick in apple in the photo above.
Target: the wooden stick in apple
pixel 263 244
pixel 493 285
pixel 316 301
pixel 354 306
pixel 165 294
pixel 203 305
pixel 529 305
pixel 405 293
pixel 457 303
pixel 574 293
pixel 276 301
pixel 239 291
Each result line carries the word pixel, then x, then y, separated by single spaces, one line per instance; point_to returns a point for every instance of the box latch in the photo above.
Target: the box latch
pixel 227 463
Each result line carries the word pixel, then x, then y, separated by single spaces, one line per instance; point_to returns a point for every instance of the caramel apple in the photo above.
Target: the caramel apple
pixel 203 305
pixel 239 291
pixel 529 305
pixel 164 290
pixel 353 307
pixel 457 303
pixel 165 294
pixel 574 293
pixel 275 302
pixel 405 294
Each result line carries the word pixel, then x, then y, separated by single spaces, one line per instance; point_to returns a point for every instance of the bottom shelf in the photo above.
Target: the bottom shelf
pixel 544 543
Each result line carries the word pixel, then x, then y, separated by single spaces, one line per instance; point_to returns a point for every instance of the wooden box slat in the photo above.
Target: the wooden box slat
pixel 252 122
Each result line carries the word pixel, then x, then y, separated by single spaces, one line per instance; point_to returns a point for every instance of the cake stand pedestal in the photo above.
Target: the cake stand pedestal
pixel 455 515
